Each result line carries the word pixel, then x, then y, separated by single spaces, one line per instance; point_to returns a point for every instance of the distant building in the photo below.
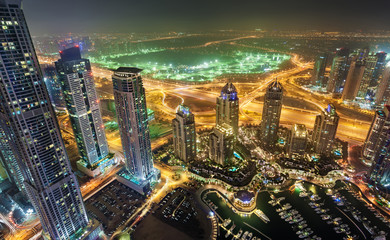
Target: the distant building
pixel 272 109
pixel 132 114
pixel 298 141
pixel 83 106
pixel 221 144
pixel 380 125
pixel 319 78
pixel 383 91
pixel 375 65
pixel 53 86
pixel 354 78
pixel 324 132
pixel 184 134
pixel 339 71
pixel 227 107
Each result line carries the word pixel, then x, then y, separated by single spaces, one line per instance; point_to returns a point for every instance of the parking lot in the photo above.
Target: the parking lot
pixel 113 205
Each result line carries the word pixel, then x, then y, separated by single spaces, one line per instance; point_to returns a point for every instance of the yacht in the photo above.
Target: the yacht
pixel 226 222
pixel 262 215
pixel 244 235
pixel 239 234
pixel 249 236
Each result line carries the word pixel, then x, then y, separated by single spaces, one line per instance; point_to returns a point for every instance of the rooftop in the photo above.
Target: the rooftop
pixel 275 86
pixel 229 88
pixel 128 70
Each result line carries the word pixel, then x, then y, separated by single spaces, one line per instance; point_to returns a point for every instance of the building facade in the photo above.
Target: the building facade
pixel 353 81
pixel 375 65
pixel 339 71
pixel 82 103
pixel 379 174
pixel 298 141
pixel 184 134
pixel 380 124
pixel 227 107
pixel 26 108
pixel 319 78
pixel 53 86
pixel 272 109
pixel 324 131
pixel 221 144
pixel 132 115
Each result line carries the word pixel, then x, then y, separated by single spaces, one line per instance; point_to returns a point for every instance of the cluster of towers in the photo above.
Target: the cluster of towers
pixel 357 75
pixel 31 147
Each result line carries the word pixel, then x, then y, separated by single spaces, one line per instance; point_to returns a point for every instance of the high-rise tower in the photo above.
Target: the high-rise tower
pixel 354 78
pixel 227 107
pixel 130 104
pixel 319 78
pixel 271 114
pixel 339 71
pixel 53 85
pixel 26 110
pixel 298 141
pixel 82 102
pixel 324 131
pixel 380 125
pixel 221 144
pixel 184 134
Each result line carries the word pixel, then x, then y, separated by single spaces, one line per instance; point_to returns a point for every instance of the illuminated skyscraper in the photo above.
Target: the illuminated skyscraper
pixel 130 104
pixel 324 131
pixel 379 126
pixel 53 86
pixel 221 144
pixel 298 141
pixel 32 126
pixel 380 171
pixel 375 64
pixel 184 134
pixel 82 102
pixel 319 78
pixel 383 91
pixel 354 78
pixel 227 107
pixel 339 71
pixel 271 114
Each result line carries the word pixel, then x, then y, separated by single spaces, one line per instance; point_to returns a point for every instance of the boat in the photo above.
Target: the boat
pixel 226 222
pixel 230 230
pixel 239 234
pixel 249 236
pixel 262 215
pixel 244 235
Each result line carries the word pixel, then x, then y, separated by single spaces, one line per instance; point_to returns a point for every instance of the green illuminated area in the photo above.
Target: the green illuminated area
pixel 196 63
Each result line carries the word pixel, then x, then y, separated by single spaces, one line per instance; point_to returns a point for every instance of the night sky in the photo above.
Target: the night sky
pixel 63 16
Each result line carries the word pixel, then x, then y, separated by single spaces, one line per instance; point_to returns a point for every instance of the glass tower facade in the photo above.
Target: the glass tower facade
pixel 83 105
pixel 184 134
pixel 324 132
pixel 31 123
pixel 130 104
pixel 227 107
pixel 271 114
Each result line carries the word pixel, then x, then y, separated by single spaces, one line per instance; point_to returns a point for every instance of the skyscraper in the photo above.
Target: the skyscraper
pixel 271 114
pixel 83 106
pixel 375 64
pixel 53 86
pixel 298 141
pixel 354 78
pixel 324 131
pixel 339 71
pixel 26 110
pixel 380 125
pixel 184 134
pixel 227 107
pixel 383 92
pixel 130 104
pixel 379 174
pixel 319 78
pixel 221 144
